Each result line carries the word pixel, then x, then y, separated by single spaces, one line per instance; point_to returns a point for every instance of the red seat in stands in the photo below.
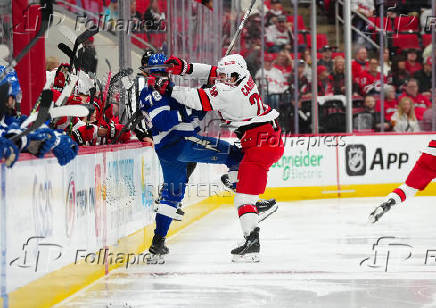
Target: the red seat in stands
pixel 300 20
pixel 405 41
pixel 426 40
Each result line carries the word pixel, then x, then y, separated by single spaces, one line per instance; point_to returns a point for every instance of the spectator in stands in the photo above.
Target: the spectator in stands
pixel 303 81
pixel 274 83
pixel 278 35
pixel 424 78
pixel 421 102
pixel 338 76
pixel 153 17
pixel 284 63
pixel 400 75
pixel 427 122
pixel 386 63
pixel 325 87
pixel 412 64
pixel 365 8
pixel 360 58
pixel 307 58
pixel 254 24
pixel 369 118
pixel 370 80
pixel 359 63
pixel 253 56
pixel 276 9
pixel 404 119
pixel 390 102
pixel 326 58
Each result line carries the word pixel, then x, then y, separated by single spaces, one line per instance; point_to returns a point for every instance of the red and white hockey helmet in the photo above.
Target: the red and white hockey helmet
pixel 232 66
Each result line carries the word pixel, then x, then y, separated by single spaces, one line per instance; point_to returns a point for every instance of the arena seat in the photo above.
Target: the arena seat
pixel 426 40
pixel 300 22
pixel 405 41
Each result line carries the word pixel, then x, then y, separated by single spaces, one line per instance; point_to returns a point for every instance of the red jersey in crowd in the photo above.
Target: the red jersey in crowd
pixel 412 68
pixel 368 82
pixel 421 102
pixel 390 106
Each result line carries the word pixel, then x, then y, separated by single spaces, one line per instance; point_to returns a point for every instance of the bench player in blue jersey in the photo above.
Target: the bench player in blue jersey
pixel 174 128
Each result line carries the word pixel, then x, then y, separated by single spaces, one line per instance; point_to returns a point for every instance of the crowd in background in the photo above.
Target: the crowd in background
pixel 407 67
pixel 407 72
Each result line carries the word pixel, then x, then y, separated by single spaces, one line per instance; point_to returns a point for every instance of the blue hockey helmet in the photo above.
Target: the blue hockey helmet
pixel 14 84
pixel 157 59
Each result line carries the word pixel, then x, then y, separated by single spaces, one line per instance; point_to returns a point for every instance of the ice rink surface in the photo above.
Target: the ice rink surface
pixel 320 253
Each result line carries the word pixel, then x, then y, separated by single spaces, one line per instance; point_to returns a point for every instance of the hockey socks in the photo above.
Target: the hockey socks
pixel 247 211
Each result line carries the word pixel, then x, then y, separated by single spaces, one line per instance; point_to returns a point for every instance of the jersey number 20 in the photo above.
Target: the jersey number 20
pixel 256 99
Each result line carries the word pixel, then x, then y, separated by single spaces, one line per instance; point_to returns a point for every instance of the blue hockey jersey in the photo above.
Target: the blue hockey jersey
pixel 168 120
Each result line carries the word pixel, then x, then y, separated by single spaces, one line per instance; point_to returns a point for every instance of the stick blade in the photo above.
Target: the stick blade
pixel 79 111
pixel 86 35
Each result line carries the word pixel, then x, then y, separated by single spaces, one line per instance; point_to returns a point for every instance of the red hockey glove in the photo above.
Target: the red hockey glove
pixel 164 86
pixel 180 67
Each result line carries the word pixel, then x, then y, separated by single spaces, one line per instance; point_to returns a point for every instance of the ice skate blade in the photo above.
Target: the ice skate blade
pixel 154 259
pixel 265 215
pixel 247 258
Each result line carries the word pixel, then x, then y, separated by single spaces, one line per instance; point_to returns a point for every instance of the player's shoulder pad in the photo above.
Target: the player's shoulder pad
pixel 220 86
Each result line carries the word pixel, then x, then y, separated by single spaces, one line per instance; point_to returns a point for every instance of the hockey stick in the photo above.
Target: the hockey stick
pixel 79 111
pixel 241 26
pixel 68 52
pixel 106 87
pixel 133 122
pixel 47 11
pixel 80 40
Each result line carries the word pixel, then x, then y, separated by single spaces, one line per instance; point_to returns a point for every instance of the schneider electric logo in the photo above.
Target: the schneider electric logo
pixel 305 165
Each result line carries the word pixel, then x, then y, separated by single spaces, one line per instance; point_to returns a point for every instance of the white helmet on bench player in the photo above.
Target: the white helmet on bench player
pixel 232 66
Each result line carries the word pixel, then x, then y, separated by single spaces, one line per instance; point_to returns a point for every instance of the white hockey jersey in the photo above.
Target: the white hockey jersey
pixel 431 148
pixel 238 105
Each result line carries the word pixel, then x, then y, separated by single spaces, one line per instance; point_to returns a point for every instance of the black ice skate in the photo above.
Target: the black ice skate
pixel 380 210
pixel 157 250
pixel 227 183
pixel 266 208
pixel 249 251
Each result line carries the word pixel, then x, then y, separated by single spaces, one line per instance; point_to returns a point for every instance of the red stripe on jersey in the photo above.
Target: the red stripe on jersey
pixel 247 208
pixel 204 99
pixel 400 193
pixel 432 144
pixel 263 113
pixel 212 75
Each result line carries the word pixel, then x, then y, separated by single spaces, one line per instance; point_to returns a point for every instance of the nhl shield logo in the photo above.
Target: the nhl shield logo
pixel 355 157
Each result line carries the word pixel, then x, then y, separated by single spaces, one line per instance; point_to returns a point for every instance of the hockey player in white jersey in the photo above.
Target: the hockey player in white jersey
pixel 418 179
pixel 236 98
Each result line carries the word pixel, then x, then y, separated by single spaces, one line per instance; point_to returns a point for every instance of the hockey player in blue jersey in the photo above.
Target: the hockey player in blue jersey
pixel 177 143
pixel 38 142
